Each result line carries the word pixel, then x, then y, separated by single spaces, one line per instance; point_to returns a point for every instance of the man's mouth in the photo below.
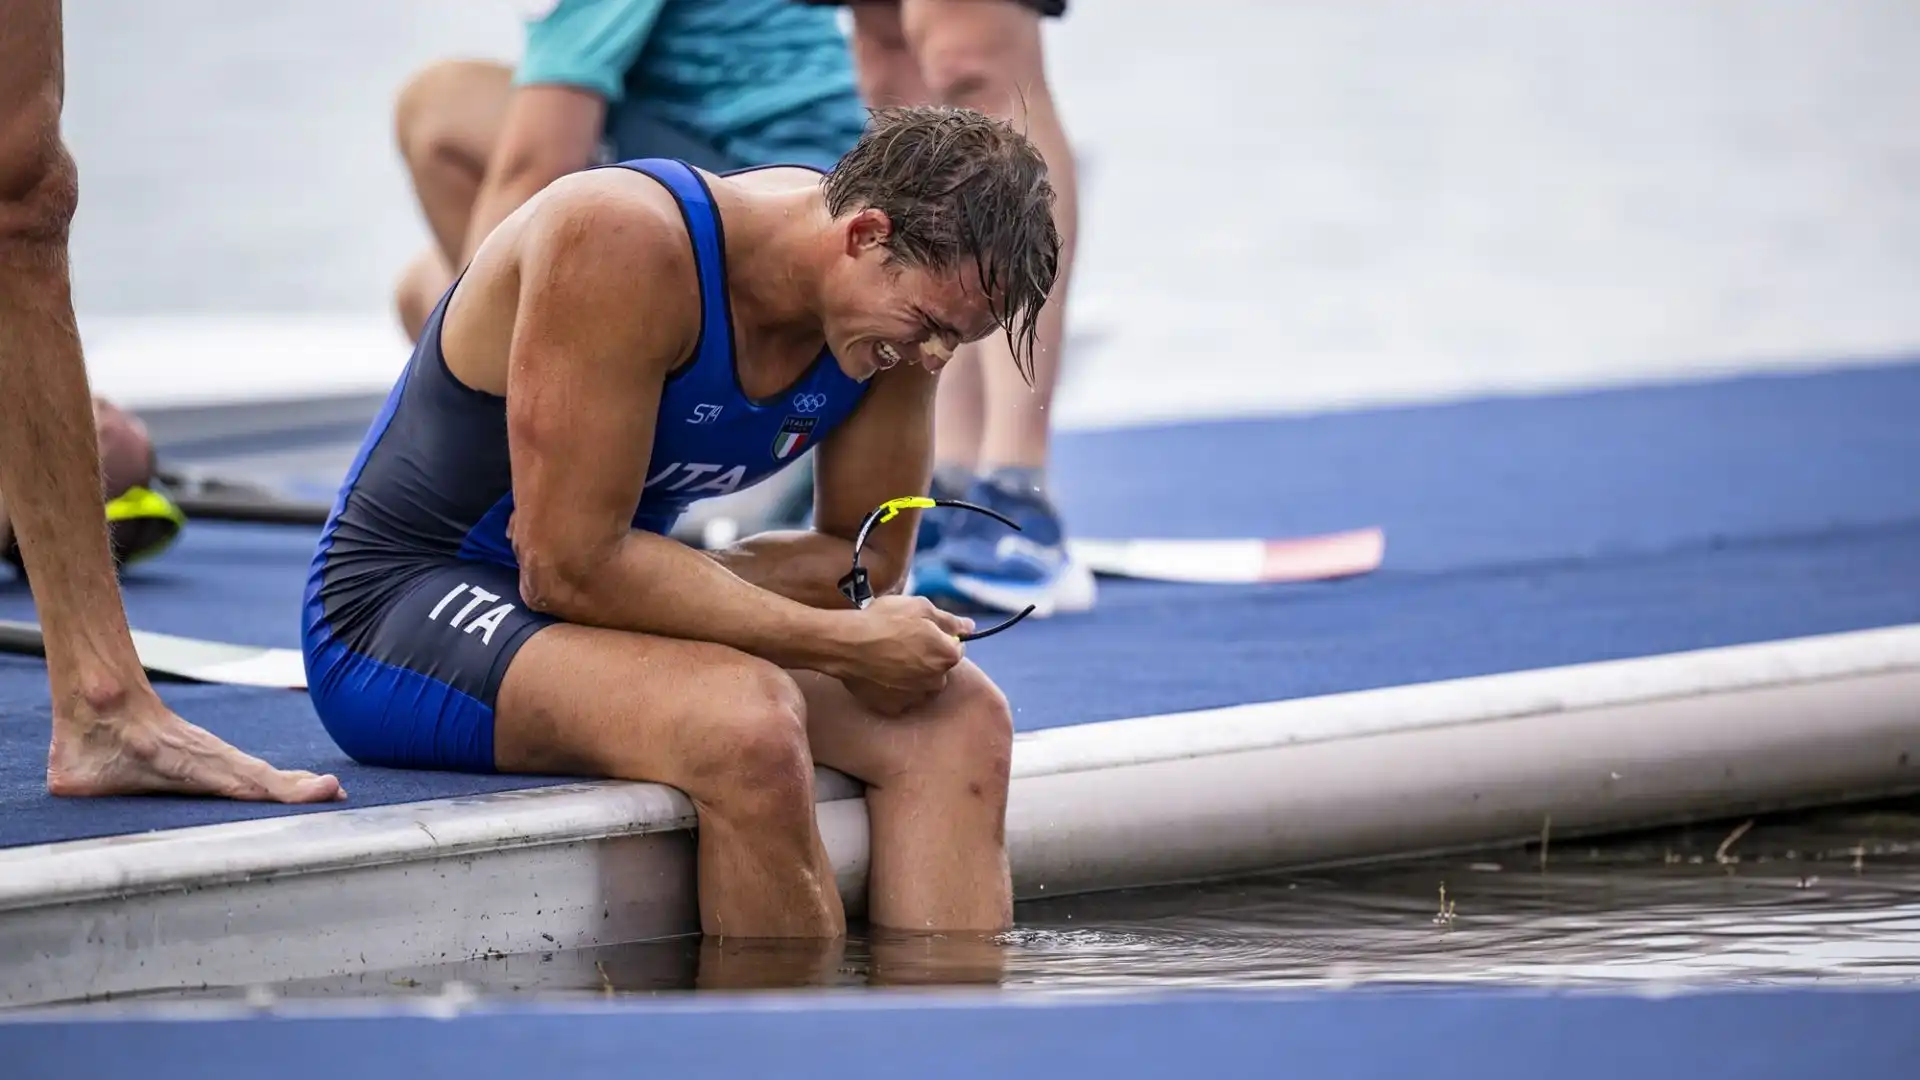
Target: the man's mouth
pixel 888 355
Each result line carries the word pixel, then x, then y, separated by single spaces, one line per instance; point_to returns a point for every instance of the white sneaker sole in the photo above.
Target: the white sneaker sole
pixel 1072 593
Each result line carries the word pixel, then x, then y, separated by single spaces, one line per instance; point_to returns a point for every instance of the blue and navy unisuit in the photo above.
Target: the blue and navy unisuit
pixel 413 611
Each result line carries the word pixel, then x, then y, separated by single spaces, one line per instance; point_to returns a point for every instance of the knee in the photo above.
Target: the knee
pixel 417 103
pixel 423 127
pixel 757 761
pixel 990 65
pixel 888 71
pixel 39 188
pixel 979 734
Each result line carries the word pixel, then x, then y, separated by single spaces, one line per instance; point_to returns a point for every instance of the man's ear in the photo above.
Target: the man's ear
pixel 868 229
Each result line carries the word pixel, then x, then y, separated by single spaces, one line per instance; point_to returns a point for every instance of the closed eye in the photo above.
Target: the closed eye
pixel 937 328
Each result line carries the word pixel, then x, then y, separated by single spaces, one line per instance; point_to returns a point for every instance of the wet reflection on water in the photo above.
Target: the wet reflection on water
pixel 1833 895
pixel 1829 898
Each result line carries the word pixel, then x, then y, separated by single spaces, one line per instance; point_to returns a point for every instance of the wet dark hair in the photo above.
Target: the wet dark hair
pixel 960 185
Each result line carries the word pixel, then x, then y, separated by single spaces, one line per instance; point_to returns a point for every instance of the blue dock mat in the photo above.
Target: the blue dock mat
pixel 1521 533
pixel 1353 1035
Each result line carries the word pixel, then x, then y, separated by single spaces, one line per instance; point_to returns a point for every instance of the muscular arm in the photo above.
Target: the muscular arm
pixel 883 451
pixel 607 306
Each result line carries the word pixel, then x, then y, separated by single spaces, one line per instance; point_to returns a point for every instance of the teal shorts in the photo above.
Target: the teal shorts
pixel 817 137
pixel 720 84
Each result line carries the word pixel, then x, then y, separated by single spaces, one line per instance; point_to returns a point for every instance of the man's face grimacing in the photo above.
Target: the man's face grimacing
pixel 882 311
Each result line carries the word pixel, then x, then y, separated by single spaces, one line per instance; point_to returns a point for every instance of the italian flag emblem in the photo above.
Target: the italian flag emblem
pixel 793 435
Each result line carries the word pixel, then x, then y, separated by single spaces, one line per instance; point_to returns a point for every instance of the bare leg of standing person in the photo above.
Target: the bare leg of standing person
pixel 889 76
pixel 446 122
pixel 988 57
pixel 111 733
pixel 993 434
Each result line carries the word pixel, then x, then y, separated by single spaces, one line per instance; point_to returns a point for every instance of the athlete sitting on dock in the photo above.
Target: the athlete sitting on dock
pixel 495 589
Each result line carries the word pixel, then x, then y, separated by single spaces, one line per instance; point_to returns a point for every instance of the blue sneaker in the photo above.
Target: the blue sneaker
pixel 1002 569
pixel 937 522
pixel 928 575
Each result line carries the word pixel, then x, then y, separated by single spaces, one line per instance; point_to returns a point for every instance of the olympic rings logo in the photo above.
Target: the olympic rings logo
pixel 807 403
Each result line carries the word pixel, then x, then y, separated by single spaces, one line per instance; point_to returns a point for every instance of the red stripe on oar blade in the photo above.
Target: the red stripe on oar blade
pixel 1316 558
pixel 1236 562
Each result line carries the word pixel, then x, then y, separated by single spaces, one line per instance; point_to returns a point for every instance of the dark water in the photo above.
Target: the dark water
pixel 1825 896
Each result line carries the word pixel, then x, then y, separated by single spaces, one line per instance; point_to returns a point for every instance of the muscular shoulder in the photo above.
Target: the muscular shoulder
pixel 609 243
pixel 608 222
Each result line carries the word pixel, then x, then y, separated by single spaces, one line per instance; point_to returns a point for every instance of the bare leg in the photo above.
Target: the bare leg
pixel 724 728
pixel 890 75
pixel 902 958
pixel 422 284
pixel 446 122
pixel 987 56
pixel 888 71
pixel 111 732
pixel 960 412
pixel 740 737
pixel 732 963
pixel 936 799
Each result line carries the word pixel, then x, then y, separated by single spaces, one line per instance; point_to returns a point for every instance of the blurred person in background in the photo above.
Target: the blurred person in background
pixel 111 733
pixel 995 421
pixel 142 521
pixel 720 84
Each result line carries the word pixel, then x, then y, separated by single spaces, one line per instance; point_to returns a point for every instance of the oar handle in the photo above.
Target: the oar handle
pixel 220 498
pixel 257 511
pixel 22 639
pixel 26 639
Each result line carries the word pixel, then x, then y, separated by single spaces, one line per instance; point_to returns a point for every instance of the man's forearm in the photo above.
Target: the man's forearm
pixel 657 585
pixel 799 564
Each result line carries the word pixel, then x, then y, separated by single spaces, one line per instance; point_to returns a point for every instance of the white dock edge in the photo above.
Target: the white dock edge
pixel 1347 777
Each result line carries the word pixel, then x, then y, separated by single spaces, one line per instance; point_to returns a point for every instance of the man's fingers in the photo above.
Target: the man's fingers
pixel 948 621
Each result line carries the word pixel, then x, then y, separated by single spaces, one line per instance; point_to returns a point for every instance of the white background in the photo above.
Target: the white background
pixel 1290 205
